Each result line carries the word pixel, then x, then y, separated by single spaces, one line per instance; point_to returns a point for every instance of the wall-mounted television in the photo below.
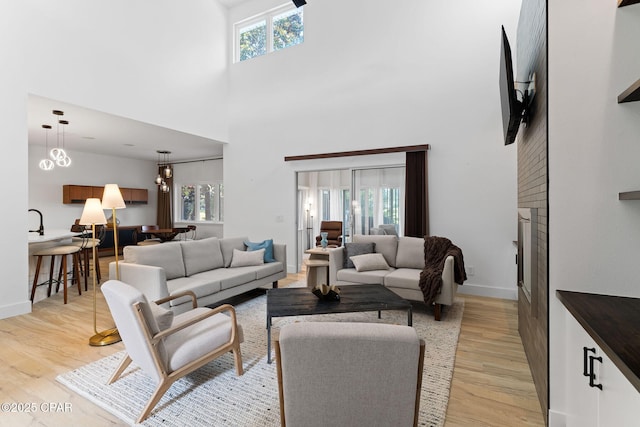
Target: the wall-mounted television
pixel 512 108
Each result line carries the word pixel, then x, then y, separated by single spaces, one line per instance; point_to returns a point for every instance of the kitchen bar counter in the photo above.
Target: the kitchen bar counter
pixel 51 236
pixel 613 322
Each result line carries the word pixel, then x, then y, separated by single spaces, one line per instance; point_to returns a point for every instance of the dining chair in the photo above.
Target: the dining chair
pixel 192 232
pixel 146 231
pixel 166 346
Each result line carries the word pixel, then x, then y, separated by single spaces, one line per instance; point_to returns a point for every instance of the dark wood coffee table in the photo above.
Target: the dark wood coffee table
pixel 282 302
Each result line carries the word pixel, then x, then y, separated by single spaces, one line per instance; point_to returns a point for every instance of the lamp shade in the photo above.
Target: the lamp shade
pixel 112 197
pixel 92 213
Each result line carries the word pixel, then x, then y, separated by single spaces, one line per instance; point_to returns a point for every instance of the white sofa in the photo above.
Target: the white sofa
pixel 405 258
pixel 205 267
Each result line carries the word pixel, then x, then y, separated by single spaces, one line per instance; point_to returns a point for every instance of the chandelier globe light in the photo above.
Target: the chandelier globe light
pixel 58 154
pixel 46 164
pixel 63 161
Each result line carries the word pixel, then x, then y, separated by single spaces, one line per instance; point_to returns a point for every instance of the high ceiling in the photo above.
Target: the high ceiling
pixel 101 133
pixel 232 3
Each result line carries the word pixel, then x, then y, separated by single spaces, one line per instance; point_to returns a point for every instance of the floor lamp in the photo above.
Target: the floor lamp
pixel 112 199
pixel 93 214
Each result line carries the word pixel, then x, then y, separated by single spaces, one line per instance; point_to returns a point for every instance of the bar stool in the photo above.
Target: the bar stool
pixel 86 242
pixel 53 252
pixel 85 255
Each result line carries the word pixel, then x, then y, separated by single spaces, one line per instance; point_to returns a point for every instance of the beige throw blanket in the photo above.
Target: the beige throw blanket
pixel 436 251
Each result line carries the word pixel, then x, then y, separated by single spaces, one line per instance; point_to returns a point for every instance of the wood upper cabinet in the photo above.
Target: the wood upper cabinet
pixel 76 193
pixel 80 193
pixel 138 196
pixel 135 196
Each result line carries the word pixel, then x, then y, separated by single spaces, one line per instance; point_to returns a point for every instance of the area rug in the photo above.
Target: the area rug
pixel 215 396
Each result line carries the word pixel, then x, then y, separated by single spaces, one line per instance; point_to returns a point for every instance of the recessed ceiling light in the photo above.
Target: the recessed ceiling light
pixel 129 145
pixel 88 137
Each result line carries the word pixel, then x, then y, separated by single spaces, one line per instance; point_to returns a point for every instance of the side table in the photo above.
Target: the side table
pixel 317 262
pixel 314 267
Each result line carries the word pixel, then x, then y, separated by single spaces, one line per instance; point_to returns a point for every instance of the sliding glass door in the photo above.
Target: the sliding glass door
pixel 379 201
pixel 362 199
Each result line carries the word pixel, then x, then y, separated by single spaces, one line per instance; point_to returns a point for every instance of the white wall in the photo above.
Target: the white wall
pixel 194 172
pixel 382 74
pixel 594 241
pixel 45 187
pixel 161 62
pixel 410 73
pixel 13 137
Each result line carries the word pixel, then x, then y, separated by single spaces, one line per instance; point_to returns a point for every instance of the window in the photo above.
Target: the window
pixel 273 30
pixel 253 40
pixel 325 199
pixel 202 202
pixel 391 206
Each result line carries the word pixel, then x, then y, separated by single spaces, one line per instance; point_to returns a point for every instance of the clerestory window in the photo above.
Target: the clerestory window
pixel 268 32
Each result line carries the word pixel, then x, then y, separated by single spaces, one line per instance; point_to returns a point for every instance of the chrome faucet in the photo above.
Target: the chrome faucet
pixel 40 229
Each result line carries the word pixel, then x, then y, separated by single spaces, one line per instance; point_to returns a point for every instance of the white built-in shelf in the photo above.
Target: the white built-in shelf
pixel 631 94
pixel 622 3
pixel 629 195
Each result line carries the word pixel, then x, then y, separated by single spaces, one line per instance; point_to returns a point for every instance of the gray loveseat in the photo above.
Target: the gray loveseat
pixel 206 267
pixel 404 257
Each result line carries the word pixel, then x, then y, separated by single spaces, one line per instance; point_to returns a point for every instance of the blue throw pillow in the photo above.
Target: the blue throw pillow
pixel 267 245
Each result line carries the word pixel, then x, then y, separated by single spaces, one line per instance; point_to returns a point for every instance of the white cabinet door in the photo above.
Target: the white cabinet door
pixel 581 399
pixel 619 403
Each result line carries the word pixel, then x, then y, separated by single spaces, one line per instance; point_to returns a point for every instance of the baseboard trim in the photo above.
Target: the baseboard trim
pixel 557 419
pixel 488 291
pixel 12 310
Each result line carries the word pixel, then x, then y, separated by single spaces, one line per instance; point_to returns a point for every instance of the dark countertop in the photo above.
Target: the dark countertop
pixel 614 324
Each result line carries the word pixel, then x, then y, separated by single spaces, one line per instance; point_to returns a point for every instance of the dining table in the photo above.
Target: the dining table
pixel 167 234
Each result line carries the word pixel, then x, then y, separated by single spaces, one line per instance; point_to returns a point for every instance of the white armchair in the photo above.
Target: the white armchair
pixel 167 347
pixel 349 374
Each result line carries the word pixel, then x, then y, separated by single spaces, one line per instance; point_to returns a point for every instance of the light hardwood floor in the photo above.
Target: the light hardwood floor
pixel 492 384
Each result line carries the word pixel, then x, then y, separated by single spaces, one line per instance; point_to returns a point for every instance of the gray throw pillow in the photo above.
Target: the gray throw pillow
pixel 353 249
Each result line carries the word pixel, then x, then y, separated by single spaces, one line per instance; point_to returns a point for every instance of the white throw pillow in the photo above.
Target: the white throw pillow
pixel 247 258
pixel 410 252
pixel 368 262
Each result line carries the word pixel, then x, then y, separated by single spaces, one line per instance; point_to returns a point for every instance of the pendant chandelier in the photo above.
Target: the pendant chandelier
pixel 56 154
pixel 166 172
